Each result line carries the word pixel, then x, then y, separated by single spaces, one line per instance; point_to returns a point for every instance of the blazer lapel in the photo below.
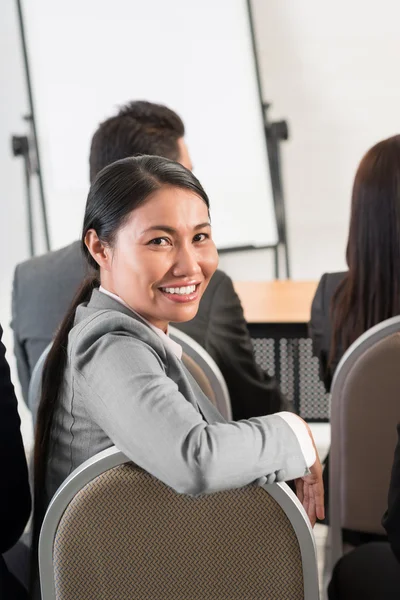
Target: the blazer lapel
pixel 208 410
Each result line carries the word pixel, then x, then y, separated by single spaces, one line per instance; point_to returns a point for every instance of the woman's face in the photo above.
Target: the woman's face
pixel 163 257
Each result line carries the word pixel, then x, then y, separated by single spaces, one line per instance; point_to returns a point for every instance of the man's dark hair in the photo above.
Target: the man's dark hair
pixel 139 128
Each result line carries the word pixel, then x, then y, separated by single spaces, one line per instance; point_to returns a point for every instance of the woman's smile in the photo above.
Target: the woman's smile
pixel 181 292
pixel 163 257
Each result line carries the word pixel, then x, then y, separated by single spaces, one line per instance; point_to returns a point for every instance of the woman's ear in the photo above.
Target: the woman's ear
pixel 99 251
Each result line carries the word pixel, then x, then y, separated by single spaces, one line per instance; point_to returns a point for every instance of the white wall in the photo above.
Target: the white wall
pixel 332 71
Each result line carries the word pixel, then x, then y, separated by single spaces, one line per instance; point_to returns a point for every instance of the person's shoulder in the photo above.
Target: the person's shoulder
pixel 220 284
pixel 68 254
pixel 326 288
pixel 218 280
pixel 336 276
pixel 66 263
pixel 219 277
pixel 332 280
pixel 94 324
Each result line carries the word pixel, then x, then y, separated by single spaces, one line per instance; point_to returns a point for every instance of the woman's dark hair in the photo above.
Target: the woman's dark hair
pixel 118 189
pixel 370 292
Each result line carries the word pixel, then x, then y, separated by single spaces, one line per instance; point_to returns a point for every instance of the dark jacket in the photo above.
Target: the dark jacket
pixel 15 499
pixel 320 326
pixel 391 519
pixel 44 287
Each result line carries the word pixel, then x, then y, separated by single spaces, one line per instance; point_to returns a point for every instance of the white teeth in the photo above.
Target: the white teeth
pixel 183 291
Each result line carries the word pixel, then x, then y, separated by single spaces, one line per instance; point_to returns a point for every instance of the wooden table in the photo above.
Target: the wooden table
pixel 276 301
pixel 277 313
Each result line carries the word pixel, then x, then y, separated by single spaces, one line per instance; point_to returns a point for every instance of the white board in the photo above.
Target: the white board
pixel 87 57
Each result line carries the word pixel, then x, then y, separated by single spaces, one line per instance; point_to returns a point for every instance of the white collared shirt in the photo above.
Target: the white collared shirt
pixel 298 428
pixel 167 341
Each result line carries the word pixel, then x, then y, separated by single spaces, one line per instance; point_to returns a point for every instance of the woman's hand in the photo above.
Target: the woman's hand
pixel 310 490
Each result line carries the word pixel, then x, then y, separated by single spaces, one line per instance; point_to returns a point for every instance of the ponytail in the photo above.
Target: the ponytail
pixel 52 379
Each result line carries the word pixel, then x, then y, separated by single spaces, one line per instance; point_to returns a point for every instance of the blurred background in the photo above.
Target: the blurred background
pixel 330 71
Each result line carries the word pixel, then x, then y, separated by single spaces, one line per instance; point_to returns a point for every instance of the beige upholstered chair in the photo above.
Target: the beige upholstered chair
pixel 194 353
pixel 365 409
pixel 113 531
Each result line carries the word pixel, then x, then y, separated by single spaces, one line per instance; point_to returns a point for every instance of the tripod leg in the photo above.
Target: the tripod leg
pixel 29 206
pixel 287 263
pixel 44 212
pixel 276 260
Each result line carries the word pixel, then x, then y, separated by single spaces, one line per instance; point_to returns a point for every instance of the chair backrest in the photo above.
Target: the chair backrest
pixel 209 368
pixel 114 531
pixel 365 409
pixel 201 378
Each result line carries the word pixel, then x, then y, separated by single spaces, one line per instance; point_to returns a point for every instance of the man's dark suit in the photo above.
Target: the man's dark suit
pixel 320 326
pixel 44 287
pixel 15 500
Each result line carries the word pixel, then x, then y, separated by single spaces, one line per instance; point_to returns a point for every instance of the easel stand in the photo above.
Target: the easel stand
pixel 275 133
pixel 26 146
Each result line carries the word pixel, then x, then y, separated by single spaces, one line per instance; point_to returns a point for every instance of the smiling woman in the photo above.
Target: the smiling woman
pixel 113 376
pixel 162 258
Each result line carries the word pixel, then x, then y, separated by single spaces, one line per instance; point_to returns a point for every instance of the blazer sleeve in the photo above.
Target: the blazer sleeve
pixel 23 368
pixel 15 500
pixel 391 519
pixel 253 392
pixel 316 329
pixel 128 394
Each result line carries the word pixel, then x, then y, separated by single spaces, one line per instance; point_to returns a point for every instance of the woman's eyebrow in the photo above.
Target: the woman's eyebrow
pixel 159 228
pixel 201 225
pixel 170 229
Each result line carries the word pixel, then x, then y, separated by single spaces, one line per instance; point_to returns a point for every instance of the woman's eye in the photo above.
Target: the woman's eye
pixel 200 237
pixel 161 241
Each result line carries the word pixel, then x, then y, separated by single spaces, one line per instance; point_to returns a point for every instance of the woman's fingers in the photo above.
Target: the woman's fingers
pixel 299 489
pixel 306 499
pixel 319 500
pixel 311 505
pixel 310 492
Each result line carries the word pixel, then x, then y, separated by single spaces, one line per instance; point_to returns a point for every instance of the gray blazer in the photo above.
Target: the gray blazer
pixel 45 286
pixel 123 386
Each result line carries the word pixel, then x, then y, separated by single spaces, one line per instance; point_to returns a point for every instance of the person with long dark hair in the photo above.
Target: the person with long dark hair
pixel 113 376
pixel 346 304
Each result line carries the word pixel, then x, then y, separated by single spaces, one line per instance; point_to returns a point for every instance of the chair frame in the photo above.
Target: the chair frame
pixel 366 341
pixel 112 457
pixel 210 368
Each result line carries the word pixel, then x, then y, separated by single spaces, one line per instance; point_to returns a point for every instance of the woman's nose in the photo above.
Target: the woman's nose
pixel 186 263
